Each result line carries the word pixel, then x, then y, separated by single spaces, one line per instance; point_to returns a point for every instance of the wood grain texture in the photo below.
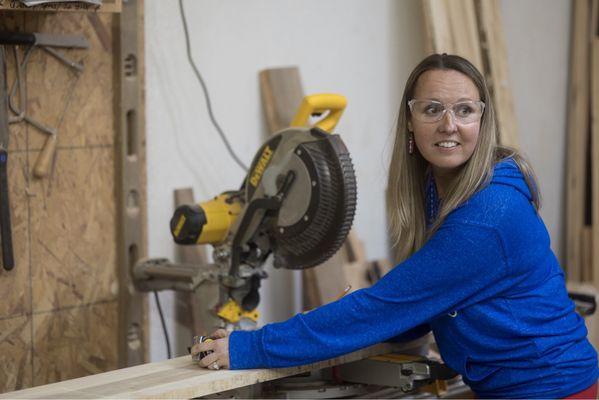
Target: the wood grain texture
pixel 282 93
pixel 89 118
pixel 15 353
pixel 577 131
pixel 73 234
pixel 74 342
pixel 451 27
pixel 179 378
pixel 60 298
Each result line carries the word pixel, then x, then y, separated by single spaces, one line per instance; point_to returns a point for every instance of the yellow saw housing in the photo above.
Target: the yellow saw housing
pixel 205 223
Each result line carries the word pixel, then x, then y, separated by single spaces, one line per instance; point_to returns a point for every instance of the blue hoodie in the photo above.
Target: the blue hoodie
pixel 488 285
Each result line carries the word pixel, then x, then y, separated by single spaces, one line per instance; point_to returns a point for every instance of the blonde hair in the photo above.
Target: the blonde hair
pixel 408 173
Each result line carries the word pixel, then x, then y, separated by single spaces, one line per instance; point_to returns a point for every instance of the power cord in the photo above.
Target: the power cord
pixel 168 343
pixel 205 90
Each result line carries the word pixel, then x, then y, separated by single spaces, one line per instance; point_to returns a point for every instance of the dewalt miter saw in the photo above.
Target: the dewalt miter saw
pixel 297 203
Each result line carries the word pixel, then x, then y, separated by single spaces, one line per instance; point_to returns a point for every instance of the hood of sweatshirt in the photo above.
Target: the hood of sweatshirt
pixel 507 173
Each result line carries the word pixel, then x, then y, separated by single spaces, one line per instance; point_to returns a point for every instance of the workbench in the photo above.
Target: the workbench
pixel 182 378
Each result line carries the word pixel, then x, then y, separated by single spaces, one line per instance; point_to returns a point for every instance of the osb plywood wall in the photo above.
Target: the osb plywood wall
pixel 58 306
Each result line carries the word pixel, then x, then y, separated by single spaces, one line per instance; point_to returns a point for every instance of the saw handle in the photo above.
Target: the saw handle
pixel 318 104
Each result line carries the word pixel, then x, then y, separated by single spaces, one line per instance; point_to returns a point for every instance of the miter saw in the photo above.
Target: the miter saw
pixel 297 202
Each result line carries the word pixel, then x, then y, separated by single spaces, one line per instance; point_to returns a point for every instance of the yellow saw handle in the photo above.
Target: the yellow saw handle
pixel 318 104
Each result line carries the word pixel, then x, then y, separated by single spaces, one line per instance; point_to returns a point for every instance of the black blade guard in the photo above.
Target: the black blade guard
pixel 319 234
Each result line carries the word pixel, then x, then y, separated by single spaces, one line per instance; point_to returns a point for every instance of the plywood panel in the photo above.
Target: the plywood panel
pixel 64 226
pixel 15 286
pixel 89 118
pixel 15 353
pixel 74 342
pixel 73 232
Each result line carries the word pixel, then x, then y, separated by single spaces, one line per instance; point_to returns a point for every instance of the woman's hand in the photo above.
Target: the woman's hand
pixel 219 358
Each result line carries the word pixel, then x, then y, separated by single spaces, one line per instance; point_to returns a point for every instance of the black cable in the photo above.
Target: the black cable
pixel 205 90
pixel 168 343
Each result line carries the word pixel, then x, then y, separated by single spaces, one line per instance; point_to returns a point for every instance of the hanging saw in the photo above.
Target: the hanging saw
pixel 297 202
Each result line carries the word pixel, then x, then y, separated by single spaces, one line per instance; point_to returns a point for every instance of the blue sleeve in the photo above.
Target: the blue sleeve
pixel 461 264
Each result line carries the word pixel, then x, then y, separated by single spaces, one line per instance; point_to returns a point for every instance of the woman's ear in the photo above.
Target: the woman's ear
pixel 410 129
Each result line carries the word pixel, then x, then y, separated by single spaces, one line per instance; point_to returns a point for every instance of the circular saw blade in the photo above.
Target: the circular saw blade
pixel 331 203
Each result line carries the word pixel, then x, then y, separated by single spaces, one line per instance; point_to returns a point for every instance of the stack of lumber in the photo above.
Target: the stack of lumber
pixel 473 29
pixel 582 170
pixel 282 94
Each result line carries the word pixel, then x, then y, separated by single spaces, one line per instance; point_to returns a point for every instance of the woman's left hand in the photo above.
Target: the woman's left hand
pixel 219 358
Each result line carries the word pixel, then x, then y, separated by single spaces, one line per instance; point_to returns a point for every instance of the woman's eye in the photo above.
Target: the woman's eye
pixel 463 110
pixel 433 109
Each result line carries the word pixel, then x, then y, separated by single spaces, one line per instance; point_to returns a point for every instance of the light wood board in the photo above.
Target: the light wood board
pixel 578 95
pixel 594 35
pixel 181 378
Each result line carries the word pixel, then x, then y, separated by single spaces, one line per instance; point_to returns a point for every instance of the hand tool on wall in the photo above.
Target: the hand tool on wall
pixel 5 227
pixel 47 42
pixel 297 202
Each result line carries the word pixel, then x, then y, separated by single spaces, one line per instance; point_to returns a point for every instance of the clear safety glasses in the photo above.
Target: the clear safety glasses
pixel 463 112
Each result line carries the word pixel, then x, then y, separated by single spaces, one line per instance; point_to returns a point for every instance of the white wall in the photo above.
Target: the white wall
pixel 363 49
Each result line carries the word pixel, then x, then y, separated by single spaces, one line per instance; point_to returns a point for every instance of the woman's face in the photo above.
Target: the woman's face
pixel 448 143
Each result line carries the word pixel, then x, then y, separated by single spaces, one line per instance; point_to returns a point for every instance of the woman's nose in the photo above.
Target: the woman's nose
pixel 447 123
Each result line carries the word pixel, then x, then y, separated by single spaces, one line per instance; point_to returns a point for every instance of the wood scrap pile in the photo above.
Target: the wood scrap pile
pixel 473 29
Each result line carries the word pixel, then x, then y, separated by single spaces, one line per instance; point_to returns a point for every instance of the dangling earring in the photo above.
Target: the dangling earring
pixel 411 143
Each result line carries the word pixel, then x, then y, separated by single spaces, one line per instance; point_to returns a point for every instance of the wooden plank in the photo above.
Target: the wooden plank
pixel 578 95
pixel 181 378
pixel 451 27
pixel 594 99
pixel 495 66
pixel 586 244
pixel 108 6
pixel 282 93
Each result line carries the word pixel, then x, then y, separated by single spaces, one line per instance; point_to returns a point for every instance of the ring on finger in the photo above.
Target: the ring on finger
pixel 215 366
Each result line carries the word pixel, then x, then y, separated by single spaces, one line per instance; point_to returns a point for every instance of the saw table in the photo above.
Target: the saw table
pixel 181 378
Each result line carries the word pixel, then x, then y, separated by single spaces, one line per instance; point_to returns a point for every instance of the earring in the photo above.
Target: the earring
pixel 411 143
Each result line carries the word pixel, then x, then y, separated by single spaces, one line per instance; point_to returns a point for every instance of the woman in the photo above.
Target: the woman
pixel 476 265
